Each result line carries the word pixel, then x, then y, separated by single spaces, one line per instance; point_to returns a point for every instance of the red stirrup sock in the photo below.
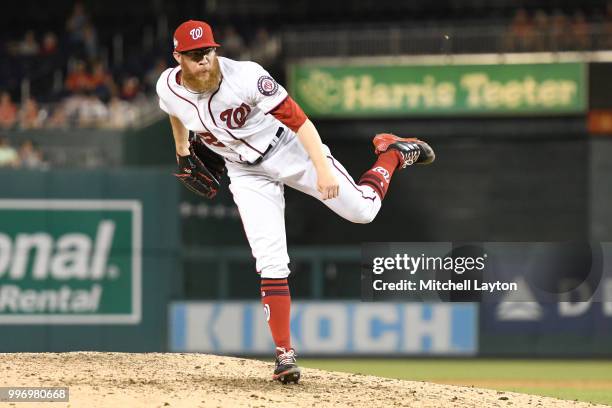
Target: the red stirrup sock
pixel 379 176
pixel 276 301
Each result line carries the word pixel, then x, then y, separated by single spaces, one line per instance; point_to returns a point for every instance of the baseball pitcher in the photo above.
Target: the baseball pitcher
pixel 233 115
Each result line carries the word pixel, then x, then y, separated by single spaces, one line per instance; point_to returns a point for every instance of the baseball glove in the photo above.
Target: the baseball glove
pixel 202 170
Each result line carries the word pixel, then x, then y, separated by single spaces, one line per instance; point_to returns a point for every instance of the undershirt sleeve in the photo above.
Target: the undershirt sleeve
pixel 290 114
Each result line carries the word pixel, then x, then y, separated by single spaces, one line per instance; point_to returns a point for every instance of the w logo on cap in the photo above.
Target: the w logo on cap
pixel 193 34
pixel 196 33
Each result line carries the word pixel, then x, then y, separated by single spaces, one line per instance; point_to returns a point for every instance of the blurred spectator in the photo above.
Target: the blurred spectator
pixel 580 32
pixel 72 106
pixel 102 82
pixel 49 44
pixel 121 114
pixel 76 22
pixel 28 46
pixel 30 116
pixel 8 154
pixel 521 33
pixel 30 156
pixel 78 79
pixel 90 41
pixel 85 110
pixel 92 112
pixel 560 32
pixel 233 45
pixel 8 111
pixel 58 117
pixel 130 89
pixel 607 40
pixel 541 27
pixel 265 47
pixel 153 74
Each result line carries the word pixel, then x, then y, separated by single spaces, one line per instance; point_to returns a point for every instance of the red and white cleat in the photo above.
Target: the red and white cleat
pixel 286 369
pixel 412 150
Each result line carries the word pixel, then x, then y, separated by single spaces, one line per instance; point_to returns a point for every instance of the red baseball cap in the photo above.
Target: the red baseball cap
pixel 193 34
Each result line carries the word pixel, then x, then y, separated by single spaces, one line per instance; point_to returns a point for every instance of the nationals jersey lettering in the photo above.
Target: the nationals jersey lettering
pixel 210 139
pixel 233 120
pixel 238 115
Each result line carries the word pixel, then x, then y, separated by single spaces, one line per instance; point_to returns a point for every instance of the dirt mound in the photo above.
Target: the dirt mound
pixel 198 380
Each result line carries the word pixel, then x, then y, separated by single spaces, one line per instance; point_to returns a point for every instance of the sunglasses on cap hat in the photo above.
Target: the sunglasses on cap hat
pixel 199 53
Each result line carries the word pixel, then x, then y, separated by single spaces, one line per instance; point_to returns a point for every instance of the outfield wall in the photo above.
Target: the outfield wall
pixel 88 259
pixel 398 329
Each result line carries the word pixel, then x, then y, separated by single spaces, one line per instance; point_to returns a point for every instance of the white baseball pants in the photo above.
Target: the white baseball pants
pixel 258 191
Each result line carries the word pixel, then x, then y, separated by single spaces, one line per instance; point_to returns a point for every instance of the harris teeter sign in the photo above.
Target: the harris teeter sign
pixel 433 90
pixel 70 261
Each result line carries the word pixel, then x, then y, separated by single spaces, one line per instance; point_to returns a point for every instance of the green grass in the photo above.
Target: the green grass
pixel 586 380
pixel 598 396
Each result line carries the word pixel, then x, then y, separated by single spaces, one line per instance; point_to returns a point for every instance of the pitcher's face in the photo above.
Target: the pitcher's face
pixel 198 63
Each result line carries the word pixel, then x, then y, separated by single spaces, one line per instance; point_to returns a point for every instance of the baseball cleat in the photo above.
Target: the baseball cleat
pixel 411 150
pixel 286 369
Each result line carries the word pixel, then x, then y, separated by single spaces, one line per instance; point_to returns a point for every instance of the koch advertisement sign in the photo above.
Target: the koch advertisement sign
pixel 331 328
pixel 70 261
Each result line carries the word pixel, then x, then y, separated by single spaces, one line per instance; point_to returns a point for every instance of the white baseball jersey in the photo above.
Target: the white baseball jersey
pixel 233 120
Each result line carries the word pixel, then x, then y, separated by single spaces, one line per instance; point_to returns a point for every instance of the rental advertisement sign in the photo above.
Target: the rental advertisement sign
pixel 70 261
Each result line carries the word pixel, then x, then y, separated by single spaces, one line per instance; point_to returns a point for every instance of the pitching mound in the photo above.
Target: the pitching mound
pixel 198 380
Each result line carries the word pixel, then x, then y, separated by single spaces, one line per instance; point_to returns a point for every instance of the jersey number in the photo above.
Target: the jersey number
pixel 210 139
pixel 238 116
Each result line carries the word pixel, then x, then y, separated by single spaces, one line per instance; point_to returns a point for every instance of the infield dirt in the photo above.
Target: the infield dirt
pixel 197 380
